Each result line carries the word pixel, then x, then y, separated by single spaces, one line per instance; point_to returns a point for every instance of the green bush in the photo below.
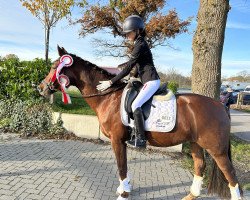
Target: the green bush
pixel 21 108
pixel 27 117
pixel 20 78
pixel 172 85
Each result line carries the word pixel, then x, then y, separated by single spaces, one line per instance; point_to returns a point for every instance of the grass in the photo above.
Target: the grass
pixel 240 150
pixel 78 106
pixel 240 157
pixel 241 160
pixel 243 108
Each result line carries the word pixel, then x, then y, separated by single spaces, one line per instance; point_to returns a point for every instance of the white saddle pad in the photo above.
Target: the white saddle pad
pixel 162 116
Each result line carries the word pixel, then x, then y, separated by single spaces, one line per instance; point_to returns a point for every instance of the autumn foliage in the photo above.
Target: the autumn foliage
pixel 49 12
pixel 160 24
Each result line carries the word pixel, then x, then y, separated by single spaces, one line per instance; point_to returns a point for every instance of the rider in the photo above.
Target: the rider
pixel 141 57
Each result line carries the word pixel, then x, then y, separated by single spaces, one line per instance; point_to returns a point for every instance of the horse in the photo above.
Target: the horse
pixel 200 120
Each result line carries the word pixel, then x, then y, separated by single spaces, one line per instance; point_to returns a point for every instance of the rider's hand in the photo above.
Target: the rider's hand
pixel 103 85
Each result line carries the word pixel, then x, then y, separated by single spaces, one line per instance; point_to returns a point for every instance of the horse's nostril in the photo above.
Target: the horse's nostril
pixel 38 88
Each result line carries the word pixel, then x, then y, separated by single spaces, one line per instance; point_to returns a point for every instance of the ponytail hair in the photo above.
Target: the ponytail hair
pixel 142 32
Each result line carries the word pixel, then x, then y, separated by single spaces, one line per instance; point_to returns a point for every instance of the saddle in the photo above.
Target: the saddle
pixel 159 111
pixel 133 91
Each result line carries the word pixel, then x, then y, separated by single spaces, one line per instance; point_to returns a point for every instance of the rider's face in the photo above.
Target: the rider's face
pixel 131 36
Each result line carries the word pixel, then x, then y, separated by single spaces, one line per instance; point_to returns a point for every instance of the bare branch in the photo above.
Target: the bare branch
pixel 160 27
pixel 109 48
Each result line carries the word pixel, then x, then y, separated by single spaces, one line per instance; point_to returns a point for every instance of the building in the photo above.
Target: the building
pixel 235 85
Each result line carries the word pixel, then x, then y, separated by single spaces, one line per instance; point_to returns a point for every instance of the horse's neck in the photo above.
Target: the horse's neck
pixel 87 86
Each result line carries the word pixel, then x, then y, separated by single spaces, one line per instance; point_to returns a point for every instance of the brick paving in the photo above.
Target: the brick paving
pixel 57 169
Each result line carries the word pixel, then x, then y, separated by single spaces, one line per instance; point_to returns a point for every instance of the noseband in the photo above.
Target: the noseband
pixel 48 86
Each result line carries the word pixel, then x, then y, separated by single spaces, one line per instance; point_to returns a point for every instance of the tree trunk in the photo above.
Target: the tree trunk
pixel 208 46
pixel 47 33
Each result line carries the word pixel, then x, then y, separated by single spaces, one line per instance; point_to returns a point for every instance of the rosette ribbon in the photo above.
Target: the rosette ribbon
pixel 63 80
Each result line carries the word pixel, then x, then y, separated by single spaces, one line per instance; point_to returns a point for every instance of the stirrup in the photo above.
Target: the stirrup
pixel 137 143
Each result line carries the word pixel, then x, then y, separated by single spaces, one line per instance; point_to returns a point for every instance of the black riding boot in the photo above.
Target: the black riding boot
pixel 139 139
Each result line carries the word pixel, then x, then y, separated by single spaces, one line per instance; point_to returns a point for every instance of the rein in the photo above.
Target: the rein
pixel 104 93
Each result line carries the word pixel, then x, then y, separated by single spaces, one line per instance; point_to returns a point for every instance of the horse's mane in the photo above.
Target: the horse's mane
pixel 93 69
pixel 92 65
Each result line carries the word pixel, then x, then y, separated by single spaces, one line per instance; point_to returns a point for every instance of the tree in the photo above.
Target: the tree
pixel 109 17
pixel 49 12
pixel 208 46
pixel 242 76
pixel 9 59
pixel 172 75
pixel 11 56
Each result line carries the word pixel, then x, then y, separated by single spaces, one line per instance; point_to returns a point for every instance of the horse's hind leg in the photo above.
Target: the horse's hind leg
pixel 224 163
pixel 198 157
pixel 199 167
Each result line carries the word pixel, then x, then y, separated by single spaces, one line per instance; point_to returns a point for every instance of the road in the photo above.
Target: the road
pixel 240 124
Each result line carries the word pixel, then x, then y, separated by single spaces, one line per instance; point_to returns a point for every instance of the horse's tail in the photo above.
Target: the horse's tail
pixel 218 183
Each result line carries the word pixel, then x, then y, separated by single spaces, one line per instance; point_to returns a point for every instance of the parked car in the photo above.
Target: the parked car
pixel 223 88
pixel 235 94
pixel 246 99
pixel 247 89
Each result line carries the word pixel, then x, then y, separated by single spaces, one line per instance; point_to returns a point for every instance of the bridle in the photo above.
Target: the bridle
pixel 49 85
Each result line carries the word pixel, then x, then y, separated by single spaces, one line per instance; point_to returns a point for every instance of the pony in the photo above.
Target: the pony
pixel 200 120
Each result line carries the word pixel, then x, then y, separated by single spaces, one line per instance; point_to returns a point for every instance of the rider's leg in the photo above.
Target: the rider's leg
pixel 139 140
pixel 145 94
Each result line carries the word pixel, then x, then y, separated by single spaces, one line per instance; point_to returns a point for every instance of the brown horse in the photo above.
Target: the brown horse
pixel 200 120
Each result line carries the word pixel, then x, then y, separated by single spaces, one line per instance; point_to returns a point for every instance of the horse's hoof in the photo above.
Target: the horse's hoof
pixel 121 198
pixel 189 197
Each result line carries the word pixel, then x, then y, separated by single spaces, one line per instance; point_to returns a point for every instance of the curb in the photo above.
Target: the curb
pixel 87 126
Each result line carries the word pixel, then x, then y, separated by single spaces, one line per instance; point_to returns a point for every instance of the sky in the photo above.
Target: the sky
pixel 22 34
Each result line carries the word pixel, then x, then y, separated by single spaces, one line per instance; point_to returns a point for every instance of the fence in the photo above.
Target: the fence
pixel 241 100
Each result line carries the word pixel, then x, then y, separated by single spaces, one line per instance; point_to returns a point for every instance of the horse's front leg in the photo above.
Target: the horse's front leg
pixel 120 150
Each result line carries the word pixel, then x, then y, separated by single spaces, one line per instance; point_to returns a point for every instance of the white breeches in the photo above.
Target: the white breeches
pixel 146 93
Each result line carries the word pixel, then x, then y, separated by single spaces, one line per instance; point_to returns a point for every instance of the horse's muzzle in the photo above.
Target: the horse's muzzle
pixel 44 90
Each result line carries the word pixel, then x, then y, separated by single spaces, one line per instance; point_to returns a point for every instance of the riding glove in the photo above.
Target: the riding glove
pixel 103 85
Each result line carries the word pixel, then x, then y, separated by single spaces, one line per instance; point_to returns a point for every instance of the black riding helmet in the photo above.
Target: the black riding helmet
pixel 131 23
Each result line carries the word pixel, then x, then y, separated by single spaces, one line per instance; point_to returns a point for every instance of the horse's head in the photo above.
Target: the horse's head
pixel 70 70
pixel 64 75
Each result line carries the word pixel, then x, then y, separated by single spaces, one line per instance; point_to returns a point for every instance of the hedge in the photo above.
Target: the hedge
pixel 19 79
pixel 22 109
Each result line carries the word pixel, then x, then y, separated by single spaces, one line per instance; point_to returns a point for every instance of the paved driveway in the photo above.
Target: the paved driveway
pixel 49 169
pixel 240 124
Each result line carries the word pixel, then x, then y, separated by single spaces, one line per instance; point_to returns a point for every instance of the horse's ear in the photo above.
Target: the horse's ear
pixel 61 51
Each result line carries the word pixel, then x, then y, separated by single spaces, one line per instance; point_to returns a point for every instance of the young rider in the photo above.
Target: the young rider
pixel 141 56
